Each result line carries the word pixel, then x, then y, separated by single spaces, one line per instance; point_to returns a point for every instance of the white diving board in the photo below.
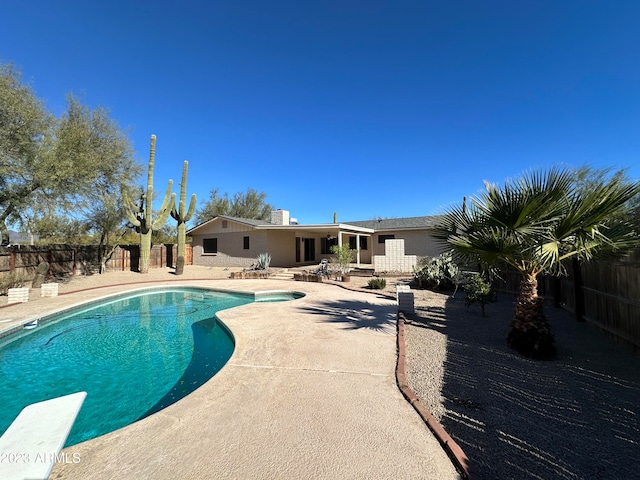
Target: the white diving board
pixel 31 445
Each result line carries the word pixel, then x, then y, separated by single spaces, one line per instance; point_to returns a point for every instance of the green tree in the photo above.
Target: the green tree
pixel 44 160
pixel 25 133
pixel 587 175
pixel 250 204
pixel 51 228
pixel 342 257
pixel 535 224
pixel 167 234
pixel 107 222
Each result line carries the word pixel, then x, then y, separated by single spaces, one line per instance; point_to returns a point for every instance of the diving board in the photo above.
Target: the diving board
pixel 31 445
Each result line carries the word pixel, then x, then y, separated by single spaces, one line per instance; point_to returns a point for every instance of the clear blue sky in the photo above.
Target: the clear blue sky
pixel 368 108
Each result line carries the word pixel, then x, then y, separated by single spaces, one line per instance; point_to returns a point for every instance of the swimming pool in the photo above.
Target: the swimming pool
pixel 133 354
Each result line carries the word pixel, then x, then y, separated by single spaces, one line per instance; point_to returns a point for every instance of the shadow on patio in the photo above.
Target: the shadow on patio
pixel 357 315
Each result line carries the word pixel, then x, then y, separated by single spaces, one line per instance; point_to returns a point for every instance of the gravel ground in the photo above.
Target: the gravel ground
pixel 576 417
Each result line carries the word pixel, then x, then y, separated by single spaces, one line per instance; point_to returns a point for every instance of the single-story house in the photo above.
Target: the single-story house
pixel 415 231
pixel 232 241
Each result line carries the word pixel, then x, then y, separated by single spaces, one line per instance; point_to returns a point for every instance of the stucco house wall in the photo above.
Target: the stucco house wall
pixel 281 244
pixel 230 237
pixel 231 251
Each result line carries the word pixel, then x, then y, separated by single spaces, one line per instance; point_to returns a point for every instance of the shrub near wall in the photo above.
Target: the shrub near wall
pixel 437 273
pixel 13 280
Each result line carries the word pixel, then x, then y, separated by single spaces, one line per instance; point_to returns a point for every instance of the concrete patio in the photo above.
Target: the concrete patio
pixel 309 392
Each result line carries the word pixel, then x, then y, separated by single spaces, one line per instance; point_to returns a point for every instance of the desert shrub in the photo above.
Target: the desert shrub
pixel 13 280
pixel 263 261
pixel 342 258
pixel 438 273
pixel 377 283
pixel 477 291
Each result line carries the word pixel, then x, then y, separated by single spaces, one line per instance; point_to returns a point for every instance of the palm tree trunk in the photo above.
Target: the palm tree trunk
pixel 530 331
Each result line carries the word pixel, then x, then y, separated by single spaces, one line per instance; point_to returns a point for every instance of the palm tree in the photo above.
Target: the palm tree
pixel 536 224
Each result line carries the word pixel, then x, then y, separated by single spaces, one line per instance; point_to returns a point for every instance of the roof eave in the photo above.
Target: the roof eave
pixel 225 217
pixel 317 226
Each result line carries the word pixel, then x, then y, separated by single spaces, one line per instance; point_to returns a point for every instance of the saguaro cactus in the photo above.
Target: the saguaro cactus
pixel 141 215
pixel 181 217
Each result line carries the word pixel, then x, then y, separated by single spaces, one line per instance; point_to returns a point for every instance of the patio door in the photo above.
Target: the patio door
pixel 309 249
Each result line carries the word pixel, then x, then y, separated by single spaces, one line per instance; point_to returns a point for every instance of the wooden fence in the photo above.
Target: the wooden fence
pixel 605 293
pixel 84 259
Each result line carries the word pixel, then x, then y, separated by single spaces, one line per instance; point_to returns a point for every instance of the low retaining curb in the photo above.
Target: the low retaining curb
pixel 449 445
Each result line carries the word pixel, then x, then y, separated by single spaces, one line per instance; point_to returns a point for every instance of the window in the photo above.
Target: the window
pixel 224 224
pixel 353 240
pixel 245 241
pixel 382 238
pixel 326 244
pixel 210 245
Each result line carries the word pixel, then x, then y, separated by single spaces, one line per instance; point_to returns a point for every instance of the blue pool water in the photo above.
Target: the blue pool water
pixel 133 355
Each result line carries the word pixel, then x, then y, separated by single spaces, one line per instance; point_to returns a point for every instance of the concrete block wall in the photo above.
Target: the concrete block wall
pixel 49 290
pixel 394 259
pixel 405 299
pixel 18 295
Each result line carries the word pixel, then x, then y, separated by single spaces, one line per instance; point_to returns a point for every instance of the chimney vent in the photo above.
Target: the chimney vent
pixel 280 217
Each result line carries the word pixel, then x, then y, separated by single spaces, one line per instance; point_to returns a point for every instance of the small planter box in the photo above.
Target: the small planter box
pixel 18 295
pixel 405 299
pixel 49 290
pixel 251 274
pixel 308 277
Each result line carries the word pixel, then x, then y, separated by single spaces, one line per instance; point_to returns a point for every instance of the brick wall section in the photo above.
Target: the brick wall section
pixel 394 259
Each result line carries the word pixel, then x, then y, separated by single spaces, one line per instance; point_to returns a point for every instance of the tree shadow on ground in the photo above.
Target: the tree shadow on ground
pixel 574 417
pixel 357 314
pixel 430 317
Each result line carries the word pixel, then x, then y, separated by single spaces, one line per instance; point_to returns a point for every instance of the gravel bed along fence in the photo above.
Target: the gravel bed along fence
pixel 576 417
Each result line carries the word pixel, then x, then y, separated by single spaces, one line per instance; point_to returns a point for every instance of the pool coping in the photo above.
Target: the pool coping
pixel 21 324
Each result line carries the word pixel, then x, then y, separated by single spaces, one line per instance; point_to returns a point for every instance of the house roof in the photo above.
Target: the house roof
pixel 247 221
pixel 367 226
pixel 263 224
pixel 398 223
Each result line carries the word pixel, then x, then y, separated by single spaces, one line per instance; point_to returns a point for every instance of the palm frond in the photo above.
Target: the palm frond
pixel 538 221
